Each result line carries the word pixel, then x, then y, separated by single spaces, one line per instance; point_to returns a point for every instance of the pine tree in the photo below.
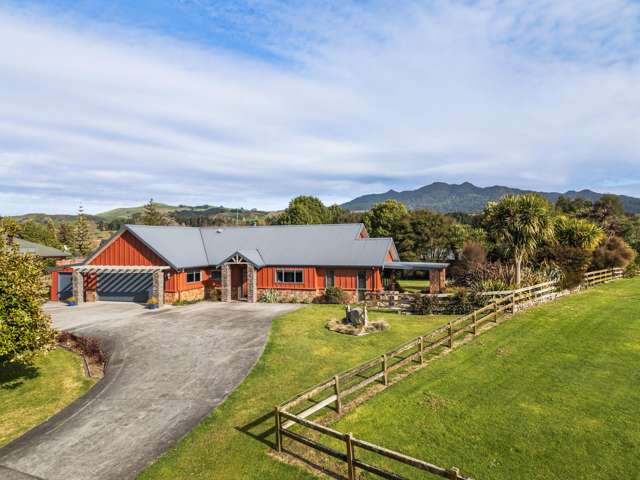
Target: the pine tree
pixel 83 237
pixel 65 236
pixel 152 215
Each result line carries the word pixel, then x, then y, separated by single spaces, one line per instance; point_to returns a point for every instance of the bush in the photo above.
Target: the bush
pixel 428 305
pixel 269 296
pixel 465 301
pixel 25 329
pixel 335 295
pixel 573 263
pixel 614 252
pixel 473 260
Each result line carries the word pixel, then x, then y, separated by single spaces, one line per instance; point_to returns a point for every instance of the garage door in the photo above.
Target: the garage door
pixel 64 285
pixel 125 287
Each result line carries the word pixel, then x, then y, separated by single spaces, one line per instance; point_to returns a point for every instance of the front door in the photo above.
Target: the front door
pixel 238 281
pixel 362 285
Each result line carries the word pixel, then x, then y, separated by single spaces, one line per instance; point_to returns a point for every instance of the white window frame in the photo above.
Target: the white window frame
pixel 194 272
pixel 294 271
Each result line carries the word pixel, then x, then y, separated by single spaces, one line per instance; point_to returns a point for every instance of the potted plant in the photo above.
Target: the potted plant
pixel 72 301
pixel 152 304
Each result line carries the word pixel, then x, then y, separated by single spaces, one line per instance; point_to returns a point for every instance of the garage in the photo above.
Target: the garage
pixel 124 287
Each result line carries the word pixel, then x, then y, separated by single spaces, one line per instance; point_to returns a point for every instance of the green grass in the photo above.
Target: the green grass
pixel 553 393
pixel 414 286
pixel 31 394
pixel 300 353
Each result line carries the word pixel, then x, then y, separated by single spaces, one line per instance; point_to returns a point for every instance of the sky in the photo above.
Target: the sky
pixel 250 103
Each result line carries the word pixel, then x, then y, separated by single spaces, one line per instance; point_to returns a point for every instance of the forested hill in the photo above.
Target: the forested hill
pixel 466 197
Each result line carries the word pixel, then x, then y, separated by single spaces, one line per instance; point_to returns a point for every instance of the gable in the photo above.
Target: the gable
pixel 126 249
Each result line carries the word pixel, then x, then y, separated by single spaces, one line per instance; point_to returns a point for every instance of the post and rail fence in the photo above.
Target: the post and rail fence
pixel 292 417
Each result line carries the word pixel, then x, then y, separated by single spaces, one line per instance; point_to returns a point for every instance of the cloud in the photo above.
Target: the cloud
pixel 349 100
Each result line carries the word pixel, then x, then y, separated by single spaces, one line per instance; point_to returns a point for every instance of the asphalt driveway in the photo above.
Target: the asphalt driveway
pixel 167 370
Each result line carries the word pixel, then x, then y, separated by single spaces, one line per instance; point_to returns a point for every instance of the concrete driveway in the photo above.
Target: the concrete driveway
pixel 167 370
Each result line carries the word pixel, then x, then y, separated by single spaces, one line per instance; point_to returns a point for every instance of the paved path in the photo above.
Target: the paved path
pixel 167 370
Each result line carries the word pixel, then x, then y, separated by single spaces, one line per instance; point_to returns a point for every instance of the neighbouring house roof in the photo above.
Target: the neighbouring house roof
pixel 25 246
pixel 298 245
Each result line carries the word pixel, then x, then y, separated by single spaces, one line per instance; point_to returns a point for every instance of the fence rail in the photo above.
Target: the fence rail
pixel 334 392
pixel 409 302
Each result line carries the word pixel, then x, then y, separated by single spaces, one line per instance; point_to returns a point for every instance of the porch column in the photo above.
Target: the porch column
pixel 252 291
pixel 158 286
pixel 437 281
pixel 225 290
pixel 77 286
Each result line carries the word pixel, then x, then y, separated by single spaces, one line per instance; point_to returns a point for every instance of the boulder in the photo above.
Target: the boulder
pixel 357 317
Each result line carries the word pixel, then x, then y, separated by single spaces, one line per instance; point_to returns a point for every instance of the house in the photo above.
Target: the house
pixel 44 251
pixel 235 263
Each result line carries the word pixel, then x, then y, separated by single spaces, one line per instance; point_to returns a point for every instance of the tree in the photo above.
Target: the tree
pixel 39 233
pixel 424 235
pixel 383 218
pixel 304 210
pixel 614 252
pixel 519 223
pixel 152 215
pixel 66 235
pixel 24 328
pixel 573 206
pixel 83 234
pixel 608 213
pixel 575 240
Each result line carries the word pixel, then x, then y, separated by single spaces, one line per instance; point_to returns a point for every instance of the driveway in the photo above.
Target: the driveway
pixel 167 370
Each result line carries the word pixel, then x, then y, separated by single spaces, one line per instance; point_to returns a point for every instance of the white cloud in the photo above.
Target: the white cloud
pixel 544 97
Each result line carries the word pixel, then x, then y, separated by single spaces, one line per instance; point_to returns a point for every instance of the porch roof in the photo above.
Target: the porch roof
pixel 420 266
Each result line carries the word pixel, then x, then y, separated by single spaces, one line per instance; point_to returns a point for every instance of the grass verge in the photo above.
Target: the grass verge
pixel 30 394
pixel 232 442
pixel 552 393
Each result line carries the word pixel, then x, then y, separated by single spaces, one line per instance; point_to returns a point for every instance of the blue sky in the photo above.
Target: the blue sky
pixel 251 103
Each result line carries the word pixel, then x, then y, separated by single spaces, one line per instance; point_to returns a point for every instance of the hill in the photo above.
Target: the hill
pixel 466 197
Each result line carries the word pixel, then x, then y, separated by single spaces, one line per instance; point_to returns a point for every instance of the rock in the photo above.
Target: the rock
pixel 357 317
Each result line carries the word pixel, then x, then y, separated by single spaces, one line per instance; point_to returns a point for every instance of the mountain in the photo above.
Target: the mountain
pixel 466 197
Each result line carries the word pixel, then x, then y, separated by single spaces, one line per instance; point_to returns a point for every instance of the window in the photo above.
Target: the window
pixel 329 279
pixel 216 275
pixel 289 276
pixel 193 277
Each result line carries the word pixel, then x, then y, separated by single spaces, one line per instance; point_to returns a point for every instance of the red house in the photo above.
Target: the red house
pixel 234 263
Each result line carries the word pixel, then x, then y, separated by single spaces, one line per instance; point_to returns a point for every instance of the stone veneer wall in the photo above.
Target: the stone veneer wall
pixel 186 296
pixel 303 296
pixel 90 296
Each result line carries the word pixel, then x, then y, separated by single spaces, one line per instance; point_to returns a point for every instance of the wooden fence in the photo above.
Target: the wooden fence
pixel 292 418
pixel 409 302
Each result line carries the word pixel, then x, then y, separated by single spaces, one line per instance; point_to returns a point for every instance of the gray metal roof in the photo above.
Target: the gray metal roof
pixel 415 266
pixel 25 246
pixel 299 245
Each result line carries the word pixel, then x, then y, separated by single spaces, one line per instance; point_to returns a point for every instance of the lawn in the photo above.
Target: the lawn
pixel 552 393
pixel 413 285
pixel 300 352
pixel 31 394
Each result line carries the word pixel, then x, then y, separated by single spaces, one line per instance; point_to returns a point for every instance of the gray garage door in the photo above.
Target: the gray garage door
pixel 64 285
pixel 125 287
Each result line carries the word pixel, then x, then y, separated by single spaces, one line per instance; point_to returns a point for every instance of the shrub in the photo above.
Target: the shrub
pixel 465 301
pixel 428 305
pixel 269 296
pixel 573 263
pixel 88 346
pixel 152 301
pixel 472 261
pixel 614 252
pixel 25 329
pixel 335 295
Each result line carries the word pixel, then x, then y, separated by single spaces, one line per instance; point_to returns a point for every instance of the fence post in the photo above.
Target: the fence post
pixel 513 303
pixel 278 430
pixel 475 324
pixel 454 473
pixel 351 468
pixel 495 311
pixel 338 399
pixel 450 335
pixel 421 350
pixel 384 369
